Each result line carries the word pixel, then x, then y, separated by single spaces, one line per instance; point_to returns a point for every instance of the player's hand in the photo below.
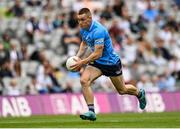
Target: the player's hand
pixel 78 65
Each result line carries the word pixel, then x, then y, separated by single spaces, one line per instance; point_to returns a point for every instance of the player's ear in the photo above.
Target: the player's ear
pixel 90 16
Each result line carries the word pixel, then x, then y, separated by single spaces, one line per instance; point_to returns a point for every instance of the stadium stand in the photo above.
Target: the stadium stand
pixel 36 38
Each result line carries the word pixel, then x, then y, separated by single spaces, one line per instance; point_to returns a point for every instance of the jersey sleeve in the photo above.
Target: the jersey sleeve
pixel 81 34
pixel 99 37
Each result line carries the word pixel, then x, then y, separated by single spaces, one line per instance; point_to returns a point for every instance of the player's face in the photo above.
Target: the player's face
pixel 84 20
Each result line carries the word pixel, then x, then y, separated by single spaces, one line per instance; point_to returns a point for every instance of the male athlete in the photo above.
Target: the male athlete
pixel 101 61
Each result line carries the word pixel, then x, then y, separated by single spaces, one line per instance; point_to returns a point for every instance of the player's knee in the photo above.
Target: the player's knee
pixel 85 81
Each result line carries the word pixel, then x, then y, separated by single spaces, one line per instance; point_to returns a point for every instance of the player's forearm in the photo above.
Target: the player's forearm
pixel 80 53
pixel 81 50
pixel 92 57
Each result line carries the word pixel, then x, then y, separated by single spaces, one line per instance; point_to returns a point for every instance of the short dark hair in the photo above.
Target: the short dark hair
pixel 84 11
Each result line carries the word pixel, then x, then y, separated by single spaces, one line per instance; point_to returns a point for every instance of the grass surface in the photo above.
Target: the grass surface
pixel 125 120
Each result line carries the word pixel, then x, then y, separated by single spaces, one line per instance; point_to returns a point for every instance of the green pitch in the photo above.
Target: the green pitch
pixel 124 120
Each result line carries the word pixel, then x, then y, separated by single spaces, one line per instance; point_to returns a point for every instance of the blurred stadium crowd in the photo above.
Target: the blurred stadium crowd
pixel 37 36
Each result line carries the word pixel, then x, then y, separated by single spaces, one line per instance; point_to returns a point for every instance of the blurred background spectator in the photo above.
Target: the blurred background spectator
pixel 36 38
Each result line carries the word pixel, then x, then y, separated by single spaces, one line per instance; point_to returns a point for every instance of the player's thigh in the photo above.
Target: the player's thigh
pixel 118 82
pixel 89 74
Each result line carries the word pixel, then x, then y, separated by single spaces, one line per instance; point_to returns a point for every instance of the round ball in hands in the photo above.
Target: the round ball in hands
pixel 70 62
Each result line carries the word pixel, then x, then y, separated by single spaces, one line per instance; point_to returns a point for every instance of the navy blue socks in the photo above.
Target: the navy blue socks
pixel 91 107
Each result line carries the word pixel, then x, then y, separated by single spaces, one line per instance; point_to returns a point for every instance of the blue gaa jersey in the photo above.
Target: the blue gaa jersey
pixel 97 34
